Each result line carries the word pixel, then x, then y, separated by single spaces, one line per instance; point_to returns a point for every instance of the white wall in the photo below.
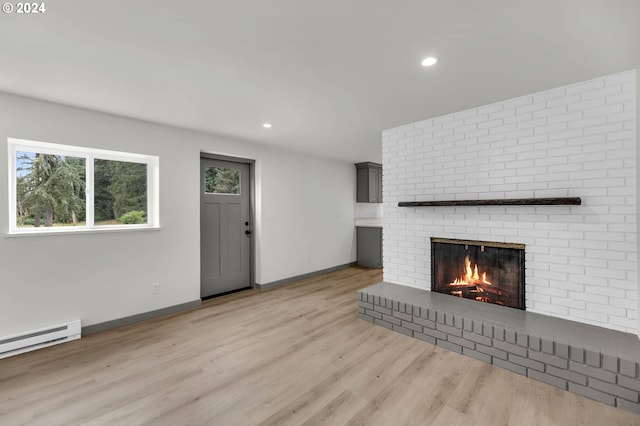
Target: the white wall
pixel 573 141
pixel 304 222
pixel 368 210
pixel 638 187
pixel 306 213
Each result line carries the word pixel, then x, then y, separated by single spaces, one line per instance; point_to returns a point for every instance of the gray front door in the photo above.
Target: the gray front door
pixel 225 226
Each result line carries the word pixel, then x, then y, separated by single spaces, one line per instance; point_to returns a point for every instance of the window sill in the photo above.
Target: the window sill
pixel 110 230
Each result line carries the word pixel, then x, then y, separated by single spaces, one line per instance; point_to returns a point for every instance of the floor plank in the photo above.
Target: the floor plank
pixel 296 355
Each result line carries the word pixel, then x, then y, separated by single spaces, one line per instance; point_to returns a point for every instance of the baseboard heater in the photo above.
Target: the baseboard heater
pixel 40 338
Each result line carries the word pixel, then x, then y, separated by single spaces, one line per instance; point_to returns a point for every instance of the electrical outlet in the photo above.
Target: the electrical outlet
pixel 155 288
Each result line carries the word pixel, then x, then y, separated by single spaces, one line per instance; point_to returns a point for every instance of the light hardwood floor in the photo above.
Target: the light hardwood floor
pixel 296 355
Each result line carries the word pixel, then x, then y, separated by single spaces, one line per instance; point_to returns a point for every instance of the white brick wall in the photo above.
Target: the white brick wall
pixel 573 141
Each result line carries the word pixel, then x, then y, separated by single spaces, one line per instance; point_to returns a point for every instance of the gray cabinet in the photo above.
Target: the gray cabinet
pixel 369 182
pixel 369 246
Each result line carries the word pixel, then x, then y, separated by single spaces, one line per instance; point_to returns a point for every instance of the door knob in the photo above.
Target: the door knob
pixel 247 232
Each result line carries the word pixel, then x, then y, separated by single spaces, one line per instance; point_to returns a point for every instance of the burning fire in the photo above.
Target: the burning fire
pixel 470 275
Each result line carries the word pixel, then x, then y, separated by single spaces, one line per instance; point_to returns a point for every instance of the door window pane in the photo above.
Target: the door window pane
pixel 120 193
pixel 50 190
pixel 219 180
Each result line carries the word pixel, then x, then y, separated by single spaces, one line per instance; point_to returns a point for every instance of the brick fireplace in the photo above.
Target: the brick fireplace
pixel 444 179
pixel 572 141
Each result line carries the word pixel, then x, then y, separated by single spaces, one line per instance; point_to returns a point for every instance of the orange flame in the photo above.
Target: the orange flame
pixel 470 276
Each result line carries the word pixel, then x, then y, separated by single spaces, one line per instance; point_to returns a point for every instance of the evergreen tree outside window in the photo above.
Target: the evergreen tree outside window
pixel 220 180
pixel 120 192
pixel 61 188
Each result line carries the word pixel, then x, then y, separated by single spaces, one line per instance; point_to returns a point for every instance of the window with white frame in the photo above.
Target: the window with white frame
pixel 61 188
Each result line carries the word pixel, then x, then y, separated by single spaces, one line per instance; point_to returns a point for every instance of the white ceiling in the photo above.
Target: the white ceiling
pixel 330 75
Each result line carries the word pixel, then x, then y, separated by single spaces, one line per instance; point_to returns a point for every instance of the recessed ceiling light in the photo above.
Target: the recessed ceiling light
pixel 267 125
pixel 427 62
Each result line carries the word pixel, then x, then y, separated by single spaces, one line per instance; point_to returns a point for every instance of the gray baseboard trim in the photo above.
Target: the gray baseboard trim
pixel 274 284
pixel 107 325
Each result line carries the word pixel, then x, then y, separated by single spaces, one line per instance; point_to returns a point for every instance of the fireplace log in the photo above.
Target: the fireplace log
pixel 462 287
pixel 490 290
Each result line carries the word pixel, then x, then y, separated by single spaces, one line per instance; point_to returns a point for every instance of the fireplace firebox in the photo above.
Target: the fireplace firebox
pixel 491 272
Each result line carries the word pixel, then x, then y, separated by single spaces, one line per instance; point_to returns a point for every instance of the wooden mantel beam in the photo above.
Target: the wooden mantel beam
pixel 558 201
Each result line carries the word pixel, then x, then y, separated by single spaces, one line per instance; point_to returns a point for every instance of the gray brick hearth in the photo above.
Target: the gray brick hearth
pixel 595 362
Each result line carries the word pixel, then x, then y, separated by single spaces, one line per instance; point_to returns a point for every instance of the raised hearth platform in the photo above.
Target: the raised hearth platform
pixel 595 362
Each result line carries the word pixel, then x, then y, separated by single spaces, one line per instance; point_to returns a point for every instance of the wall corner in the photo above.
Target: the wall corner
pixel 637 197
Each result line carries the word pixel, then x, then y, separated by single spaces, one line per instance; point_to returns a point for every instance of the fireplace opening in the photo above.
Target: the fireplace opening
pixel 490 272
